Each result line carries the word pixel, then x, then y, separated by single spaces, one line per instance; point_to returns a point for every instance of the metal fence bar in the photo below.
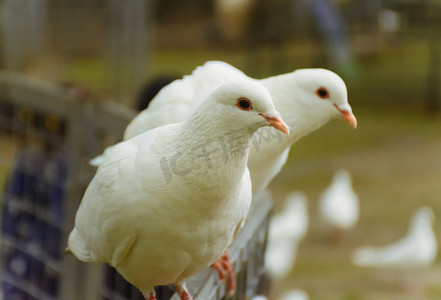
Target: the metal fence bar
pixel 48 98
pixel 21 93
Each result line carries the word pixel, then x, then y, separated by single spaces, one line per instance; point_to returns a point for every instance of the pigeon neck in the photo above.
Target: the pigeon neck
pixel 217 149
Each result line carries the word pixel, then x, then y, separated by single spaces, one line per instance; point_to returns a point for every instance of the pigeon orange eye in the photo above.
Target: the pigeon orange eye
pixel 322 93
pixel 244 104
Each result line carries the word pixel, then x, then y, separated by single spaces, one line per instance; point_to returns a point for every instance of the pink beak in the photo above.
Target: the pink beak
pixel 347 115
pixel 276 121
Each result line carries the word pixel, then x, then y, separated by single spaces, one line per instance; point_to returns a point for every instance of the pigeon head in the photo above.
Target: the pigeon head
pixel 249 102
pixel 423 215
pixel 325 92
pixel 343 176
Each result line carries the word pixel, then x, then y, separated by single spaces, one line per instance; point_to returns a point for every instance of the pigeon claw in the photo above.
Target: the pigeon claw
pixel 182 291
pixel 186 296
pixel 217 265
pixel 152 296
pixel 225 270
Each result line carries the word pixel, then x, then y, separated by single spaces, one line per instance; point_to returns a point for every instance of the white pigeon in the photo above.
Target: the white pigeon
pixel 286 230
pixel 307 99
pixel 418 249
pixel 165 204
pixel 339 204
pixel 294 295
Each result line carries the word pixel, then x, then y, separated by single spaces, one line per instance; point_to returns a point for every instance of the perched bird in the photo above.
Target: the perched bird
pixel 418 249
pixel 339 204
pixel 165 204
pixel 286 230
pixel 307 99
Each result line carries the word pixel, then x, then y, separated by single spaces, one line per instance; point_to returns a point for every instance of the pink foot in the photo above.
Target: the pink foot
pixel 225 269
pixel 182 291
pixel 186 296
pixel 219 266
pixel 152 297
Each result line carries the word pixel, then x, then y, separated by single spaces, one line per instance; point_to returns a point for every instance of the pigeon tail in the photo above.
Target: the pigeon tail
pixel 96 161
pixel 78 247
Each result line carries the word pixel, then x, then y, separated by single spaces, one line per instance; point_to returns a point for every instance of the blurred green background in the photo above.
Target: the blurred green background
pixel 388 53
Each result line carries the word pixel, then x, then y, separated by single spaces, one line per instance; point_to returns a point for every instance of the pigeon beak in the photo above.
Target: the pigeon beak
pixel 346 114
pixel 275 120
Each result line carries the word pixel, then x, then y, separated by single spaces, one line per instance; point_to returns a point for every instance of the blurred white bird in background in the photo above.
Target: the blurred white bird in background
pixel 260 297
pixel 286 230
pixel 165 204
pixel 307 99
pixel 418 248
pixel 339 205
pixel 294 295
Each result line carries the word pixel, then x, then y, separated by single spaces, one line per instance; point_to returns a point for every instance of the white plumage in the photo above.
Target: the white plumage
pixel 286 230
pixel 339 204
pixel 307 99
pixel 418 248
pixel 165 204
pixel 176 101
